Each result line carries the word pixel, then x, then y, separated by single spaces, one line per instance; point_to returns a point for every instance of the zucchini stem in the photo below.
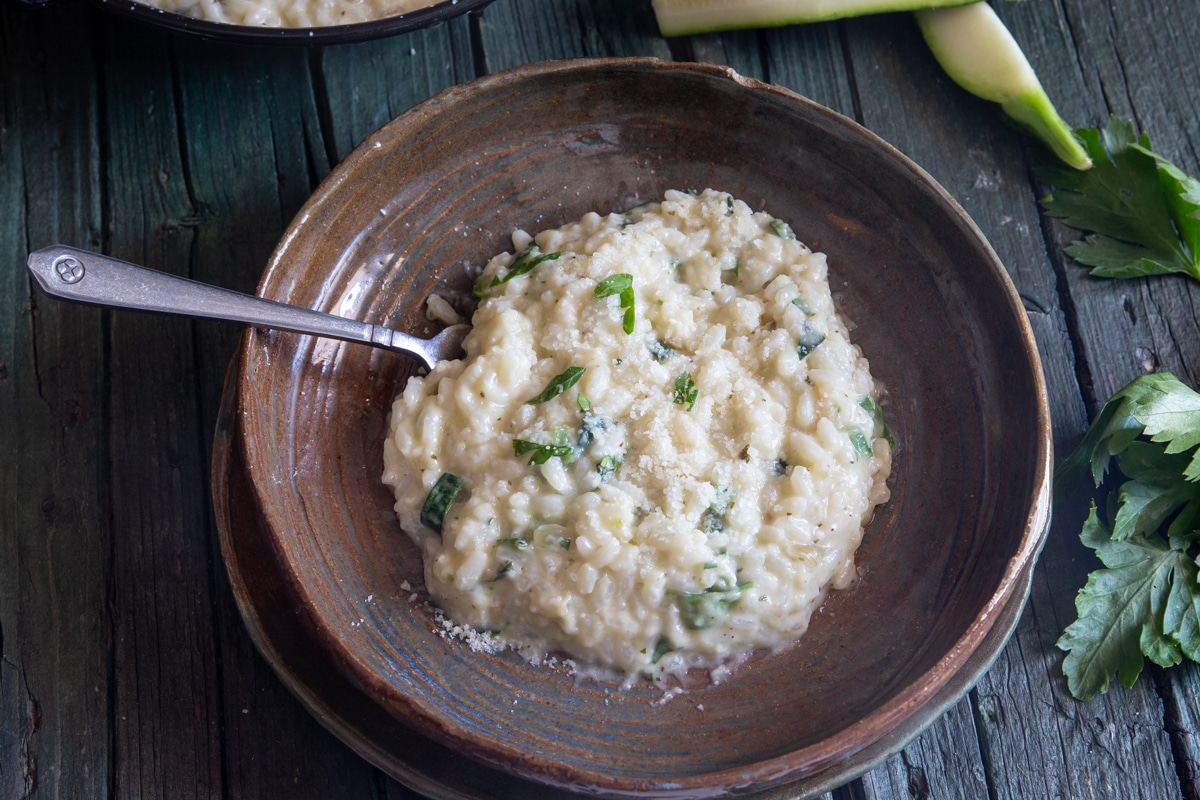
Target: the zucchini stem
pixel 976 49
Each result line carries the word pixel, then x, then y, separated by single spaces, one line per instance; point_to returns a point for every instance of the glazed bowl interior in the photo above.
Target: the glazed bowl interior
pixel 443 187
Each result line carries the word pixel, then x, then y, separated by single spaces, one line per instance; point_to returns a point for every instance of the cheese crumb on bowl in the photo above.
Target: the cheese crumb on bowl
pixel 660 451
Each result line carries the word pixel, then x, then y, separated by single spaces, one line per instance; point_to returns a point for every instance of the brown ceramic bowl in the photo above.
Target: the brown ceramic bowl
pixel 444 186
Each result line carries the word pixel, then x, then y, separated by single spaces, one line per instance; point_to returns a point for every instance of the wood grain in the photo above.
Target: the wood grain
pixel 124 670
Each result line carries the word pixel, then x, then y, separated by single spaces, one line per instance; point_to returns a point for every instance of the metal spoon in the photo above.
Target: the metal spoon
pixel 84 277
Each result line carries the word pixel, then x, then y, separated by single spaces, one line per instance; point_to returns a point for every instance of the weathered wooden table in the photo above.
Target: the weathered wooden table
pixel 125 670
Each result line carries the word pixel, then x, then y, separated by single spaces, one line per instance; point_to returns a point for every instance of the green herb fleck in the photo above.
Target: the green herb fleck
pixel 524 263
pixel 515 542
pixel 564 543
pixel 607 466
pixel 505 568
pixel 729 205
pixel 558 384
pixel 445 489
pixel 881 429
pixel 782 229
pixel 802 304
pixel 592 424
pixel 619 284
pixel 713 518
pixel 585 405
pixel 862 447
pixel 541 452
pixel 686 391
pixel 700 610
pixel 659 350
pixel 661 648
pixel 810 339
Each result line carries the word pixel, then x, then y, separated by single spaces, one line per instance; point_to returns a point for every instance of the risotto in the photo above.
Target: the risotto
pixel 660 450
pixel 290 13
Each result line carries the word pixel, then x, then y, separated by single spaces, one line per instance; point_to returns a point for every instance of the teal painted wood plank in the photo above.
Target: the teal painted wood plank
pixel 811 60
pixel 252 138
pixel 966 145
pixel 943 763
pixel 1129 60
pixel 518 31
pixel 367 84
pixel 54 724
pixel 166 700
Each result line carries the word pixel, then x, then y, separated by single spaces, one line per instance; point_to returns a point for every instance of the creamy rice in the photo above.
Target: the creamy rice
pixel 290 13
pixel 704 479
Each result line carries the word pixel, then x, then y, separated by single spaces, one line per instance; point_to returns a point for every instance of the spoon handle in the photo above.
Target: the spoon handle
pixel 86 277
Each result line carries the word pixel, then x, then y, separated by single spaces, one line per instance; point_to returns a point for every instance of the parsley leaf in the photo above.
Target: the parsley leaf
pixel 433 510
pixel 686 391
pixel 1142 212
pixel 619 284
pixel 541 452
pixel 1123 610
pixel 1145 603
pixel 524 263
pixel 782 229
pixel 558 384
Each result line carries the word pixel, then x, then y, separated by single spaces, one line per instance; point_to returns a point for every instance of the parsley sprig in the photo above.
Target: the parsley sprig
pixel 1142 212
pixel 1145 602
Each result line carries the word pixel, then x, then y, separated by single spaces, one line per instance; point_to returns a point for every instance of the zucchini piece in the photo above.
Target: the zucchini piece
pixel 682 17
pixel 433 512
pixel 976 49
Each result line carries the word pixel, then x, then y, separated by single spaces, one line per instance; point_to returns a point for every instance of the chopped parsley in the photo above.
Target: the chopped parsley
pixel 592 424
pixel 524 263
pixel 620 284
pixel 515 542
pixel 810 339
pixel 505 568
pixel 661 648
pixel 686 391
pixel 558 384
pixel 541 452
pixel 881 429
pixel 660 350
pixel 713 518
pixel 802 304
pixel 607 466
pixel 445 489
pixel 782 229
pixel 700 610
pixel 862 447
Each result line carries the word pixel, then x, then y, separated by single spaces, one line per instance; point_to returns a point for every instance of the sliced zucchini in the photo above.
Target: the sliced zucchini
pixel 976 49
pixel 682 17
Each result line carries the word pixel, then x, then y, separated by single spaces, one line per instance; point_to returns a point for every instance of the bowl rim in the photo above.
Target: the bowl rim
pixel 323 35
pixel 881 719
